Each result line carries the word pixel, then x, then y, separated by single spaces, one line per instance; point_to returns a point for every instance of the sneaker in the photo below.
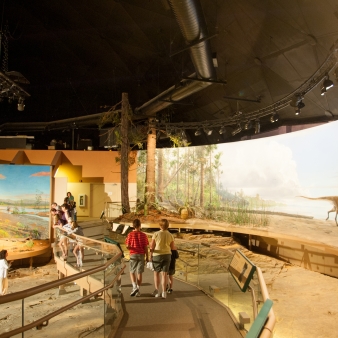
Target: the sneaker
pixel 138 294
pixel 155 293
pixel 169 290
pixel 164 295
pixel 134 292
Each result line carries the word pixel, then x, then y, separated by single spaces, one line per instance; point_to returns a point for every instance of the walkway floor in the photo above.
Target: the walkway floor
pixel 186 313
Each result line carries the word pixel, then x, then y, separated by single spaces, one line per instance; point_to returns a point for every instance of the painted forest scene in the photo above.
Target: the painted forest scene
pixel 246 182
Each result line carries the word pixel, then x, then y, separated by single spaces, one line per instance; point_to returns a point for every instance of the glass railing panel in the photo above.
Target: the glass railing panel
pixel 112 297
pixel 187 266
pixel 206 266
pixel 243 301
pixel 97 314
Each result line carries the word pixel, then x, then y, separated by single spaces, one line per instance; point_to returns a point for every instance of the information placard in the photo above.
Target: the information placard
pixel 242 270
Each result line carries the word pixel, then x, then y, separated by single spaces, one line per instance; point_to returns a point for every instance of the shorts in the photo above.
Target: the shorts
pixel 161 263
pixel 136 263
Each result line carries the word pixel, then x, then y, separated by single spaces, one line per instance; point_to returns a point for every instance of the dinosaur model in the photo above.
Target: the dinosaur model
pixel 332 199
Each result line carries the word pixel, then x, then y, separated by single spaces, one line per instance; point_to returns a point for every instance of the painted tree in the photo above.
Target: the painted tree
pixel 125 153
pixel 150 177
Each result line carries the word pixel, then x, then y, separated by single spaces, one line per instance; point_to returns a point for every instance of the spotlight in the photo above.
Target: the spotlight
pixel 222 130
pixel 257 127
pixel 327 83
pixel 248 125
pixel 295 100
pixel 274 117
pixel 297 111
pixel 198 132
pixel 208 131
pixel 184 136
pixel 21 104
pixel 237 130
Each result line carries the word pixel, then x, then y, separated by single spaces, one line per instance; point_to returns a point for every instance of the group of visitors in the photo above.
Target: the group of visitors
pixel 64 219
pixel 66 213
pixel 163 254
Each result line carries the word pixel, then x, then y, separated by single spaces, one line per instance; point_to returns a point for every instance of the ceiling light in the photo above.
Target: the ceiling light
pixel 208 131
pixel 198 132
pixel 295 100
pixel 300 105
pixel 184 136
pixel 222 130
pixel 327 83
pixel 214 60
pixel 21 104
pixel 237 130
pixel 274 117
pixel 257 127
pixel 248 125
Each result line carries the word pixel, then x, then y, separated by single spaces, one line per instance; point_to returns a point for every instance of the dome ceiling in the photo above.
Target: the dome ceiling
pixel 80 56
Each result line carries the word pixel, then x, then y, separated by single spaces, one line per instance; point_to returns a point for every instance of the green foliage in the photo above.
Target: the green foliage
pixel 30 244
pixel 4 234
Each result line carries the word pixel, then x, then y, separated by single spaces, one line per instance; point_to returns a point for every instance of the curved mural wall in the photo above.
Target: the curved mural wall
pixel 291 174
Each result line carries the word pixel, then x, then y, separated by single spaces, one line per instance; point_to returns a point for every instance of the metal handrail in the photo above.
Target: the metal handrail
pixel 270 323
pixel 37 289
pixel 40 322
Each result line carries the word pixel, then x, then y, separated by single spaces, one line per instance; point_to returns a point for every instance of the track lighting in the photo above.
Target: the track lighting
pixel 222 130
pixel 257 127
pixel 295 100
pixel 21 104
pixel 274 117
pixel 300 106
pixel 237 130
pixel 327 84
pixel 198 132
pixel 184 136
pixel 208 131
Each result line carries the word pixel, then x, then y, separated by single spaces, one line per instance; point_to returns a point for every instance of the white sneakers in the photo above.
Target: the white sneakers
pixel 134 292
pixel 157 295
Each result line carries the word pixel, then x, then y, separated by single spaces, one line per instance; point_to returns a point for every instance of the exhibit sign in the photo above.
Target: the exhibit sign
pixel 242 270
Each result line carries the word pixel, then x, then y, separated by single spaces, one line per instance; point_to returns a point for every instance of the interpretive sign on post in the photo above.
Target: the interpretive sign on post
pixel 241 270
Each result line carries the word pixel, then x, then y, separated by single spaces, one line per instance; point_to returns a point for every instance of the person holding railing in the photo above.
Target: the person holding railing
pixel 137 244
pixel 160 253
pixel 67 232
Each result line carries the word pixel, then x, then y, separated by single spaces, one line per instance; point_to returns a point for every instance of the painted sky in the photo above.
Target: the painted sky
pixel 281 168
pixel 24 181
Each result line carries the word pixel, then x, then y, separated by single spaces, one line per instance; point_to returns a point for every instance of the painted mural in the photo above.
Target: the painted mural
pixel 293 174
pixel 24 201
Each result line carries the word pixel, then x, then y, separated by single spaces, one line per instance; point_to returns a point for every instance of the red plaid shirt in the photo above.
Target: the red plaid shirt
pixel 137 242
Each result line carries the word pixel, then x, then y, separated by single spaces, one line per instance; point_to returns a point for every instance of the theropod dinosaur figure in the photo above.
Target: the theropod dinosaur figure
pixel 332 199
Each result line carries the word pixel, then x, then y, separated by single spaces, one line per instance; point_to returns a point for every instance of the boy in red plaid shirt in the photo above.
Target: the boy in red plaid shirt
pixel 137 244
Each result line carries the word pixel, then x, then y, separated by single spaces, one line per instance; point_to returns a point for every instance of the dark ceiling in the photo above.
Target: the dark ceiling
pixel 81 55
